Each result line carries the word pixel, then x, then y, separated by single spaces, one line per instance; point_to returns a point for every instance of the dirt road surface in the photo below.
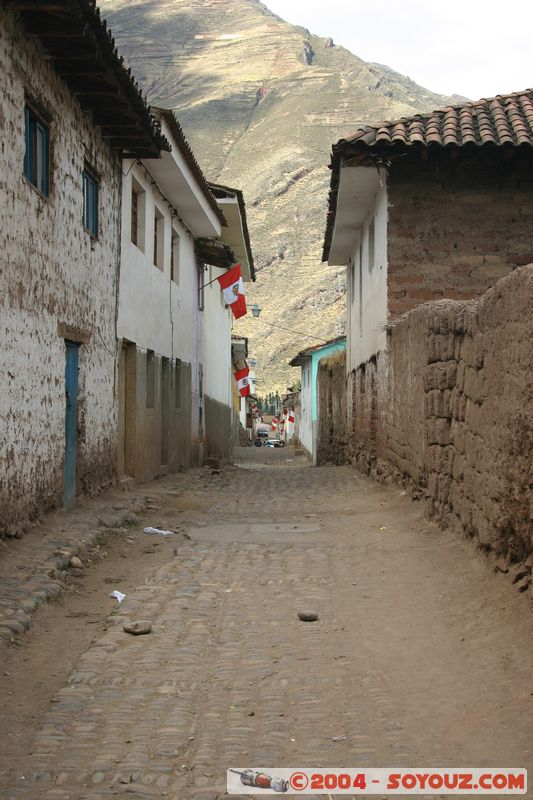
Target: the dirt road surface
pixel 421 655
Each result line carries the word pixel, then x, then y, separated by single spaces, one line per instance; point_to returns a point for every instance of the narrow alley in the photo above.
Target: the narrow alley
pixel 419 656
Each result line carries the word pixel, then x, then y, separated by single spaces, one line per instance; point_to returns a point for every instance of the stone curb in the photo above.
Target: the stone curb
pixel 49 581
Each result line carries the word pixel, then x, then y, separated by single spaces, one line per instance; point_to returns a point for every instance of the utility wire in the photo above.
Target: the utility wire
pixel 324 341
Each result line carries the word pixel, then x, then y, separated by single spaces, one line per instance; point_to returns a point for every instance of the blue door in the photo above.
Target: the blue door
pixel 71 423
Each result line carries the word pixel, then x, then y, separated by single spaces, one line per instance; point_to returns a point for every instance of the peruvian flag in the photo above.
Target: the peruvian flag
pixel 243 381
pixel 291 415
pixel 274 423
pixel 233 290
pixel 285 414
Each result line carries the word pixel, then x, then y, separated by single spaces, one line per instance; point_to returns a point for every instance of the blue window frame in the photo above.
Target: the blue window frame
pixel 37 157
pixel 90 202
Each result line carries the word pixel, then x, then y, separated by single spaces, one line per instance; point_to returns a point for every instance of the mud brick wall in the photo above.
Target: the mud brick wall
pixel 367 414
pixel 331 380
pixel 454 402
pixel 457 223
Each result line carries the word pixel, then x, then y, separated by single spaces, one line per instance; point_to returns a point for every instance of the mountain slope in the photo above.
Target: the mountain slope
pixel 261 102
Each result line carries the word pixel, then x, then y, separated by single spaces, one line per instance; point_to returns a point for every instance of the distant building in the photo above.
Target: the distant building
pixel 242 406
pixel 309 360
pixel 290 405
pixel 169 219
pixel 70 111
pixel 221 426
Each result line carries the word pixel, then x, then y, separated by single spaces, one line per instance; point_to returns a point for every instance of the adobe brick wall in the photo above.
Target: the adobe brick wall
pixel 457 227
pixel 331 435
pixel 448 411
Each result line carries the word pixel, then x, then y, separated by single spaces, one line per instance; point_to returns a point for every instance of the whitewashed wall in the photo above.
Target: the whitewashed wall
pixel 156 312
pixel 52 273
pixel 306 412
pixel 367 310
pixel 218 373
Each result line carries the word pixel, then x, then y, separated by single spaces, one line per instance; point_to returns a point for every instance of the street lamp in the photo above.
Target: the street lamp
pixel 256 310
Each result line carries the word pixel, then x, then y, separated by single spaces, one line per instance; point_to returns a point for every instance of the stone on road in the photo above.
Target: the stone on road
pixel 308 616
pixel 420 657
pixel 138 627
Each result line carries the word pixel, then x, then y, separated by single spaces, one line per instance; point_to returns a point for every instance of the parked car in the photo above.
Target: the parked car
pixel 274 443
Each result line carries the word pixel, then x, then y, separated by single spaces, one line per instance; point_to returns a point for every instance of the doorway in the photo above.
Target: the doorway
pixel 165 409
pixel 71 423
pixel 127 381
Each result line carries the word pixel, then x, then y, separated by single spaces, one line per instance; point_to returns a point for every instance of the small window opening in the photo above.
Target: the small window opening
pixel 159 239
pixel 175 257
pixel 90 202
pixel 371 245
pixel 37 156
pixel 138 212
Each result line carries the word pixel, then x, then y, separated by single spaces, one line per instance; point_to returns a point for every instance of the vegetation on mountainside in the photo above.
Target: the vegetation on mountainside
pixel 261 102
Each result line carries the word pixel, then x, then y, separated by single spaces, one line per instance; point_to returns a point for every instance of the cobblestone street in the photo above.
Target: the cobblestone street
pixel 421 655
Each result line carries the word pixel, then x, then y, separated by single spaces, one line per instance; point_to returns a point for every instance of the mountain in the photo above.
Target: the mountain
pixel 261 101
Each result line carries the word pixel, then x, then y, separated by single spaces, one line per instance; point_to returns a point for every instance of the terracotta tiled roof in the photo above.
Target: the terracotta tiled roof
pixel 505 119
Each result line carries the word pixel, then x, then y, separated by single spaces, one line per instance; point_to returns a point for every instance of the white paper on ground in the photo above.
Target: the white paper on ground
pixel 159 531
pixel 118 595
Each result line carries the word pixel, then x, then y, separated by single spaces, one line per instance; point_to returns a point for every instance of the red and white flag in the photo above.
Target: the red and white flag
pixel 291 415
pixel 285 414
pixel 243 381
pixel 233 290
pixel 274 423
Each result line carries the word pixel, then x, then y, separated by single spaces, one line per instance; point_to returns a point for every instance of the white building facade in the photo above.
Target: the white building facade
pixel 167 208
pixel 359 242
pixel 308 360
pixel 221 414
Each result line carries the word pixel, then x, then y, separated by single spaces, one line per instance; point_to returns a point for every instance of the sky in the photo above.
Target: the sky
pixel 466 47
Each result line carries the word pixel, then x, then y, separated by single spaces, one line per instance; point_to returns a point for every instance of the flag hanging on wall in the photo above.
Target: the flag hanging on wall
pixel 291 415
pixel 274 423
pixel 233 290
pixel 243 381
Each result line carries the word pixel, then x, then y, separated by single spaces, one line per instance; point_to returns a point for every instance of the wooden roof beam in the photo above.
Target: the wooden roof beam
pixel 55 28
pixel 105 96
pixel 111 130
pixel 35 5
pixel 81 71
pixel 110 121
pixel 138 152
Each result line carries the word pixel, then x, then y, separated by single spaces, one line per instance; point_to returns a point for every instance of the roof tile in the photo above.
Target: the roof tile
pixel 502 120
pixel 505 119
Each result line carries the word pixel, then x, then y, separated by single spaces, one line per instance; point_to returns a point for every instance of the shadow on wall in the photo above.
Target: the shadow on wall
pixel 218 430
pixel 332 431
